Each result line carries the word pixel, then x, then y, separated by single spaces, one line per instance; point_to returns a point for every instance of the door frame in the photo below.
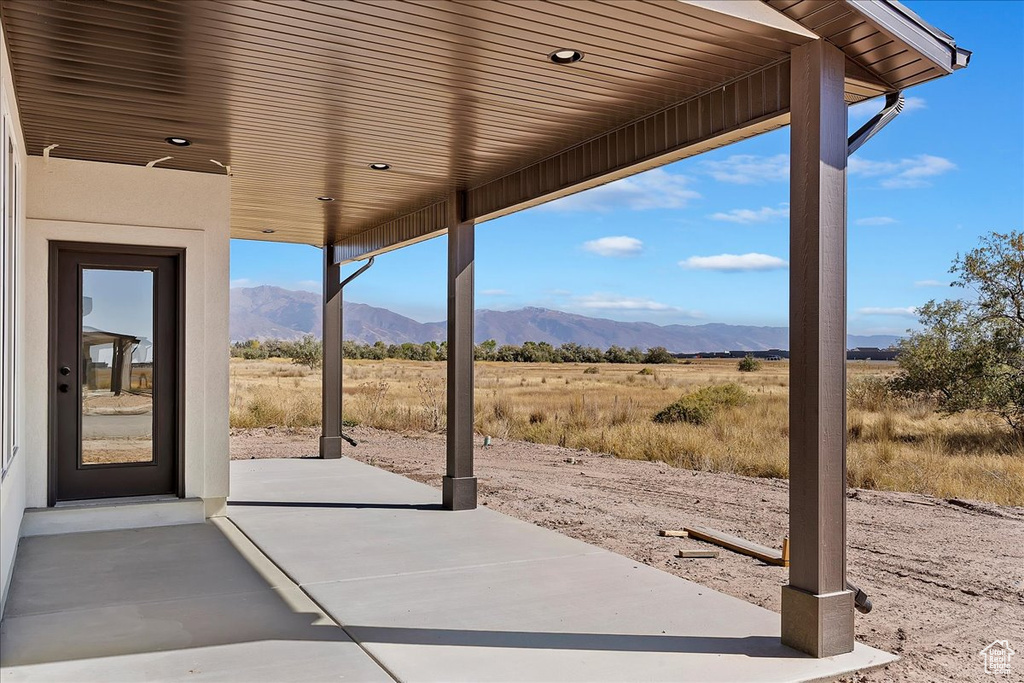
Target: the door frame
pixel 55 247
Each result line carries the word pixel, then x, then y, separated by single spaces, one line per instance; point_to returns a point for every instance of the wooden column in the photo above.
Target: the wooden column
pixel 459 484
pixel 817 610
pixel 330 437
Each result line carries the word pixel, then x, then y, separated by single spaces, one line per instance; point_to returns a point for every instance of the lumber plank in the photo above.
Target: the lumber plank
pixel 737 545
pixel 674 533
pixel 697 554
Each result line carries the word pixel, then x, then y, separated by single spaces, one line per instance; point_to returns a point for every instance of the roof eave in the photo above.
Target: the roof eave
pixel 904 25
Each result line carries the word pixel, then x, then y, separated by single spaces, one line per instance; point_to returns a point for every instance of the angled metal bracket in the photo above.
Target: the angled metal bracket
pixel 356 274
pixel 893 106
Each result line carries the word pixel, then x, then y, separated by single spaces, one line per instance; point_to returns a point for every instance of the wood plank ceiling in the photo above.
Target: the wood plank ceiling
pixel 298 98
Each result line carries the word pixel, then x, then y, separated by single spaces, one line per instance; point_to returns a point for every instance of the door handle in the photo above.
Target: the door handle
pixel 65 371
pixel 63 388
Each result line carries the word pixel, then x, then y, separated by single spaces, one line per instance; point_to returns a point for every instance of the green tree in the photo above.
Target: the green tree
pixel 970 353
pixel 658 354
pixel 309 351
pixel 485 350
pixel 616 354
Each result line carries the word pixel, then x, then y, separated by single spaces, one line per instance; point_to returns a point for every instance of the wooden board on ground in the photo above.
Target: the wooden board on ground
pixel 697 554
pixel 738 545
pixel 674 533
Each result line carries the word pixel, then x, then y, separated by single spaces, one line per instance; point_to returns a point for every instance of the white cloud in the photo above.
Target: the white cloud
pixel 762 215
pixel 876 220
pixel 494 292
pixel 862 111
pixel 902 311
pixel 242 282
pixel 734 262
pixel 620 303
pixel 616 302
pixel 929 283
pixel 903 173
pixel 655 189
pixel 749 169
pixel 614 246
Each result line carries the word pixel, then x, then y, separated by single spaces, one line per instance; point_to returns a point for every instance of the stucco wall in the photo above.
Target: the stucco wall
pixel 12 487
pixel 111 203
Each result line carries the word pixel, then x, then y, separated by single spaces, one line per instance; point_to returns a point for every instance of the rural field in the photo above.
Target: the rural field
pixel 895 444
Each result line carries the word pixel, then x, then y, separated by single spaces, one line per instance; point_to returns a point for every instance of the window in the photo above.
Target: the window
pixel 9 186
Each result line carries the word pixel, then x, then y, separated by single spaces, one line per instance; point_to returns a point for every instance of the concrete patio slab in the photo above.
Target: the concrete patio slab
pixel 189 602
pixel 335 570
pixel 478 596
pixel 60 573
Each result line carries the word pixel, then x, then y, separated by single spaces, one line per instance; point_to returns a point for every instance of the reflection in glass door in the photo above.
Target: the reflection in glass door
pixel 117 366
pixel 115 320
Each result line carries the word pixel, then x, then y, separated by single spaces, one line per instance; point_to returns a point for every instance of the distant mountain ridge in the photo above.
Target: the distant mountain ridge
pixel 268 312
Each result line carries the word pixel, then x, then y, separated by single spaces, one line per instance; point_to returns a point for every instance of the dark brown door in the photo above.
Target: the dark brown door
pixel 115 382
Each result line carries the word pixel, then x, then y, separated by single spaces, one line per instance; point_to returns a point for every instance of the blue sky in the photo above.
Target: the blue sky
pixel 706 239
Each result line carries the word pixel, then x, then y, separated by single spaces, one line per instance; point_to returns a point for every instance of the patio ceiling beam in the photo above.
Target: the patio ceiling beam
pixel 753 104
pixel 817 608
pixel 459 484
pixel 743 108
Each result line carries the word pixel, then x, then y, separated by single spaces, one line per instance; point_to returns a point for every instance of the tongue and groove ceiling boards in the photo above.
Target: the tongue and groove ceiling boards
pixel 300 98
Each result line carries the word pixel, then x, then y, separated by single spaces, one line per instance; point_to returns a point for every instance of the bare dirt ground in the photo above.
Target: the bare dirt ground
pixel 946 576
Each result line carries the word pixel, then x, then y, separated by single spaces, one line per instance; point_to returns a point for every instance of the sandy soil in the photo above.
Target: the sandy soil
pixel 946 576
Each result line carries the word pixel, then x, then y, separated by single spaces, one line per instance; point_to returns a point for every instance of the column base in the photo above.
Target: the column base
pixel 330 447
pixel 458 493
pixel 819 625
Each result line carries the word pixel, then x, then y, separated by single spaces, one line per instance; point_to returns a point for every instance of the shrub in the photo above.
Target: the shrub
pixel 724 395
pixel 591 371
pixel 749 364
pixel 689 408
pixel 699 407
pixel 646 372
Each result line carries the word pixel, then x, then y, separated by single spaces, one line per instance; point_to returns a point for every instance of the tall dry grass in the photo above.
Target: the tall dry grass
pixel 893 444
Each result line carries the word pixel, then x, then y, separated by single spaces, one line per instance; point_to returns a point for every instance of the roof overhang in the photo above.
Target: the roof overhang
pixel 459 98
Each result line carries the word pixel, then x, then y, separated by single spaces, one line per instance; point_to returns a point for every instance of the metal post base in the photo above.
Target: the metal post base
pixel 330 447
pixel 820 625
pixel 458 493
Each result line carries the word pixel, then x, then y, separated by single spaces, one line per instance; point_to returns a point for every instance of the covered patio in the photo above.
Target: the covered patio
pixel 359 128
pixel 328 570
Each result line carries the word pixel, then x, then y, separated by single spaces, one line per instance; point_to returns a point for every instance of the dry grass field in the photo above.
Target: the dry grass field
pixel 894 444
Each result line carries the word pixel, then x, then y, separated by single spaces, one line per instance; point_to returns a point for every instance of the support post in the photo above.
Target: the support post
pixel 330 436
pixel 459 484
pixel 817 609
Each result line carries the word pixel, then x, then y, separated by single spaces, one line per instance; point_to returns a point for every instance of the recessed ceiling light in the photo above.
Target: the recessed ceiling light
pixel 565 56
pixel 178 142
pixel 269 232
pixel 380 166
pixel 324 198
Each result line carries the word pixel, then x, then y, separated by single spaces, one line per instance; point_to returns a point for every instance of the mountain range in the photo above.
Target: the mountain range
pixel 268 312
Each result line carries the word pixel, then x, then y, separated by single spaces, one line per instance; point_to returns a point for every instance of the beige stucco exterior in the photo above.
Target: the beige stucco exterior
pixel 84 201
pixel 108 203
pixel 12 487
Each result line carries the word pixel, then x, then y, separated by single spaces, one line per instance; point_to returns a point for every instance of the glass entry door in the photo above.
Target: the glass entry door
pixel 115 375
